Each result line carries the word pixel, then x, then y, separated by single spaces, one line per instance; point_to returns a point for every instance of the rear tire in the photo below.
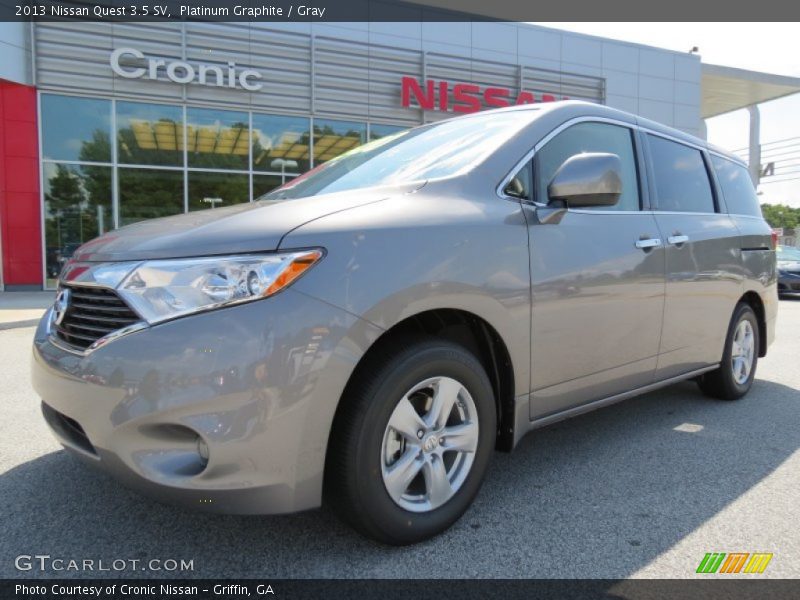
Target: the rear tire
pixel 734 377
pixel 412 440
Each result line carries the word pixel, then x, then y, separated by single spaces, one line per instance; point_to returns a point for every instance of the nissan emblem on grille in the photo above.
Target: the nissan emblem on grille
pixel 61 305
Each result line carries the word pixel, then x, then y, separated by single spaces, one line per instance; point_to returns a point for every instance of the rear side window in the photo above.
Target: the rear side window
pixel 589 137
pixel 680 177
pixel 737 187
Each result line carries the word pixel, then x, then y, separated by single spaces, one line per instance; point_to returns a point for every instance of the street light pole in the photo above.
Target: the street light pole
pixel 213 201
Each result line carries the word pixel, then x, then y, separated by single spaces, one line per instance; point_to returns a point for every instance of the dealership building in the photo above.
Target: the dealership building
pixel 107 124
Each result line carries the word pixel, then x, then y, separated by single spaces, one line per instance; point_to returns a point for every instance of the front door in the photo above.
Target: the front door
pixel 597 282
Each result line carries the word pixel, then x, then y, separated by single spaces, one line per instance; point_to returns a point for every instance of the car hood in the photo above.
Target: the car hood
pixel 244 228
pixel 792 266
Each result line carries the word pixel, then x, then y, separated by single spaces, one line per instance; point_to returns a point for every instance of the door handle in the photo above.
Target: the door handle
pixel 678 240
pixel 648 243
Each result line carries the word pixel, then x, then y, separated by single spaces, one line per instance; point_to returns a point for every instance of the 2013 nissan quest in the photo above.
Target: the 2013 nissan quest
pixel 370 332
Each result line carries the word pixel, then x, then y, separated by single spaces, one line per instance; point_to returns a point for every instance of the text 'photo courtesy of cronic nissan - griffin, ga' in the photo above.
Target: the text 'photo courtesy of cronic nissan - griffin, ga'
pixel 369 334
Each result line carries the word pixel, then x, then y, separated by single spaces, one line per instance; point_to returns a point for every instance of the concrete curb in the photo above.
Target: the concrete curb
pixel 19 324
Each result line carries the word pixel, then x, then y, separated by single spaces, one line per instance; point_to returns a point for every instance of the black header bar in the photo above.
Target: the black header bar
pixel 328 11
pixel 463 589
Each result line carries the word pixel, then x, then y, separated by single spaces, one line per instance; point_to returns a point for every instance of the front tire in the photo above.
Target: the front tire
pixel 412 441
pixel 735 375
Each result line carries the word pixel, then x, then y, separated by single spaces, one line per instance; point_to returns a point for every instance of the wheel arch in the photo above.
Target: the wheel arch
pixel 753 300
pixel 467 329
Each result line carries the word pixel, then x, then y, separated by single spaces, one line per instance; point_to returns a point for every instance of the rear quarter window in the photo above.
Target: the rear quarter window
pixel 737 187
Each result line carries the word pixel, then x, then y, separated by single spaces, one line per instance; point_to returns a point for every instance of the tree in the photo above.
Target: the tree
pixel 781 215
pixel 64 190
pixel 68 219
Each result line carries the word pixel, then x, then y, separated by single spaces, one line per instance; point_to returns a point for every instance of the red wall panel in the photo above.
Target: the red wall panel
pixel 20 218
pixel 17 136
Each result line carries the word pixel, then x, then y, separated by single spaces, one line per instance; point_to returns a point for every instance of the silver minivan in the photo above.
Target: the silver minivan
pixel 369 333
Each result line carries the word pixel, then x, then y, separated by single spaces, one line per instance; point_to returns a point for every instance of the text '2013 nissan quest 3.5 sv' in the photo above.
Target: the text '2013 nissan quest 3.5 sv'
pixel 372 331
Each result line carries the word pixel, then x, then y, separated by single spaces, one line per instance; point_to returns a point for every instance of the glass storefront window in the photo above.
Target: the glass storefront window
pixel 76 128
pixel 281 144
pixel 218 139
pixel 149 134
pixel 148 194
pixel 332 138
pixel 379 130
pixel 263 184
pixel 223 157
pixel 215 190
pixel 77 208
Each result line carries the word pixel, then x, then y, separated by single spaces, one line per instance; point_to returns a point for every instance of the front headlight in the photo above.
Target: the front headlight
pixel 164 289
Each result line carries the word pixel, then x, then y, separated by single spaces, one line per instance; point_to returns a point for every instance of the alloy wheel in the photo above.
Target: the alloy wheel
pixel 429 444
pixel 742 351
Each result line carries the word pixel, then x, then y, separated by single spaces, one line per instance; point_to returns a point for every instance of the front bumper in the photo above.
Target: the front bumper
pixel 258 383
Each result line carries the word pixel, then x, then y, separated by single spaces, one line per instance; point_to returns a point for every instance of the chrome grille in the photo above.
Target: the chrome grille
pixel 91 314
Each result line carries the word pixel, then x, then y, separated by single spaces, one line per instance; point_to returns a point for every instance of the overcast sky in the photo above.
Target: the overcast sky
pixel 768 47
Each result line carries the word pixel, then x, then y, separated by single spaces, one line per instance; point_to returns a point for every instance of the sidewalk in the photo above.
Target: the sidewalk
pixel 23 309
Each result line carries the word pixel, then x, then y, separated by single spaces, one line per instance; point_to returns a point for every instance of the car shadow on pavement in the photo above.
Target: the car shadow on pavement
pixel 600 495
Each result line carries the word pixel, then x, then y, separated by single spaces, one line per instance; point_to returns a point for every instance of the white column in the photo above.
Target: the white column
pixel 754 160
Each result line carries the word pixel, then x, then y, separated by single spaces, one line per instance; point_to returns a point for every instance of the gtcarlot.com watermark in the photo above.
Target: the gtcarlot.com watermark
pixel 45 563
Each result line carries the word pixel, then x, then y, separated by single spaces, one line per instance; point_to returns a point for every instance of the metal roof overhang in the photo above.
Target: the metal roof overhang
pixel 725 89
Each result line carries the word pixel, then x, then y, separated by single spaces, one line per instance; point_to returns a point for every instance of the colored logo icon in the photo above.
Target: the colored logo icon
pixel 734 562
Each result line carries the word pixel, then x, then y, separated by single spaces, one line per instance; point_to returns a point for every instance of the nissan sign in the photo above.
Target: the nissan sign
pixel 466 97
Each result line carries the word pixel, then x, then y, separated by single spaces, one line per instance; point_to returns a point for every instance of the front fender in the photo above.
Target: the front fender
pixel 434 249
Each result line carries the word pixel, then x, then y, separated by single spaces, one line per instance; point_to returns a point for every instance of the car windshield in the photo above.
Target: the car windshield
pixel 786 253
pixel 432 151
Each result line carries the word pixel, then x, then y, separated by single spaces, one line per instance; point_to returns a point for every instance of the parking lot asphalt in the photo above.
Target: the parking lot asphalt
pixel 643 488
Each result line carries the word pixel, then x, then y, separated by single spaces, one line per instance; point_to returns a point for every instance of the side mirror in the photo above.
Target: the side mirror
pixel 590 179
